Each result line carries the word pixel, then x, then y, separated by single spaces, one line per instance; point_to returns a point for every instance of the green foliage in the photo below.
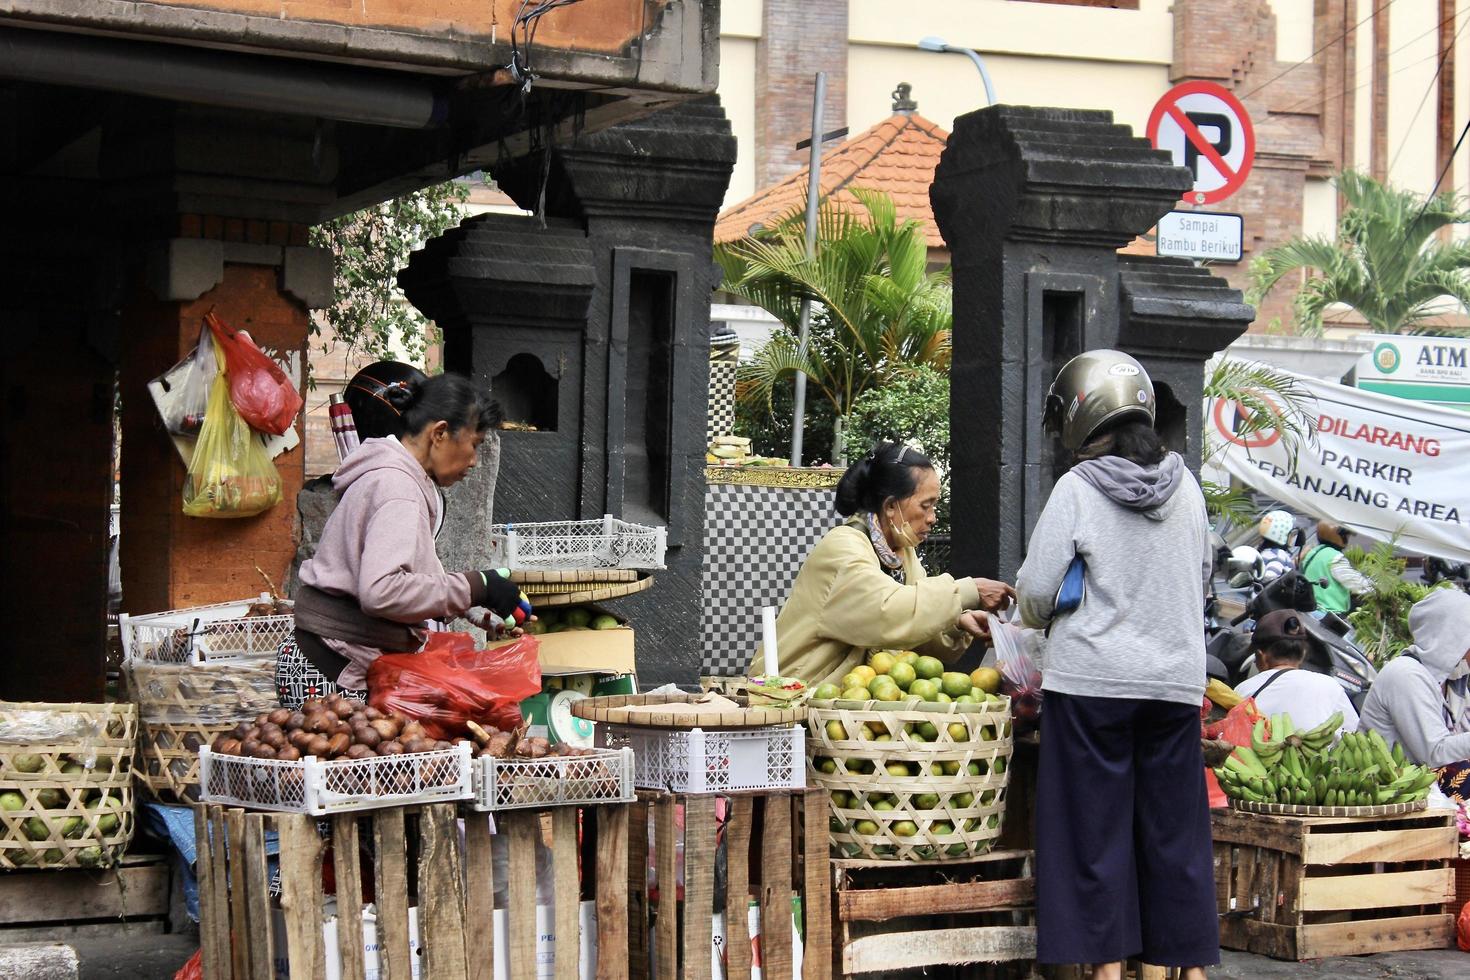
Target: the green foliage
pixel 767 424
pixel 1387 261
pixel 882 313
pixel 913 406
pixel 369 247
pixel 1268 399
pixel 1381 622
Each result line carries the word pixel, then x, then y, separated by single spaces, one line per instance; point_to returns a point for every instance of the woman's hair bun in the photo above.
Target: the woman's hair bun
pixel 401 394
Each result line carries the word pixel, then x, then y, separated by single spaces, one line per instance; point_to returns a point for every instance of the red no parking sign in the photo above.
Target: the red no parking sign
pixel 1206 129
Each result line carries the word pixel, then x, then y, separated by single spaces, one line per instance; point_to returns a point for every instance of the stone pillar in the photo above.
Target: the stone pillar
pixel 215 211
pixel 1034 204
pixel 171 560
pixel 594 328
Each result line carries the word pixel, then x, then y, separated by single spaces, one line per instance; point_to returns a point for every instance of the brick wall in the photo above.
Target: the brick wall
pixel 798 39
pixel 170 560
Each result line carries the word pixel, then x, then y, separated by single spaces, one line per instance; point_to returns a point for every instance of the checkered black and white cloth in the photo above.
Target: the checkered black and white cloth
pixel 298 680
pixel 724 352
pixel 755 541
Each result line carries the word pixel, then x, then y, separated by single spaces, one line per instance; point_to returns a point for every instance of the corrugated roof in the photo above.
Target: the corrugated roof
pixel 897 157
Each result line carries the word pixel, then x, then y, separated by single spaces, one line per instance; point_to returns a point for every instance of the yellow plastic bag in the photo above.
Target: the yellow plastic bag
pixel 231 474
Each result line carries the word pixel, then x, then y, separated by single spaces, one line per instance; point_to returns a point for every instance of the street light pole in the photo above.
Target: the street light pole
pixel 932 43
pixel 813 197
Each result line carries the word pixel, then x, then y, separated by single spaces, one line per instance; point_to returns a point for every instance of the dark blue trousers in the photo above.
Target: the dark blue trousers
pixel 1124 867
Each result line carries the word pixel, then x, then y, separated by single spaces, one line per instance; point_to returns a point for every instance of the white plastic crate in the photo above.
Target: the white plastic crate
pixel 570 545
pixel 320 787
pixel 700 761
pixel 203 634
pixel 606 776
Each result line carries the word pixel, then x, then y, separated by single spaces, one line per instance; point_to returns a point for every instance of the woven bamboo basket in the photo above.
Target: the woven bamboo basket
pixel 911 798
pixel 167 767
pixel 38 739
pixel 66 797
pixel 203 694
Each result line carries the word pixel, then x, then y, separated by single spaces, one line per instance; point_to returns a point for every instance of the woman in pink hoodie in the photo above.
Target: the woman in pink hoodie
pixel 375 578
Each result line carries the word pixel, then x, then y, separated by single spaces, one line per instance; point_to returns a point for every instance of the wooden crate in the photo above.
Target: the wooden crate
pixel 1298 888
pixel 775 846
pixel 417 859
pixel 893 915
pixel 134 894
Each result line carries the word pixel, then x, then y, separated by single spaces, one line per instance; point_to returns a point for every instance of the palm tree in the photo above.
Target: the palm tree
pixel 1268 399
pixel 1387 262
pixel 878 311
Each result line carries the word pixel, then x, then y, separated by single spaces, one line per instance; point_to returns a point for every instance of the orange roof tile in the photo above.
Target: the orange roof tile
pixel 897 157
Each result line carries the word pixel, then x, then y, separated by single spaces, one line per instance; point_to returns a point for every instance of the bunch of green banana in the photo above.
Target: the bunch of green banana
pixel 1305 768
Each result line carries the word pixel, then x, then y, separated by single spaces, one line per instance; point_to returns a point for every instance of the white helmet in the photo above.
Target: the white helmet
pixel 1244 566
pixel 1276 526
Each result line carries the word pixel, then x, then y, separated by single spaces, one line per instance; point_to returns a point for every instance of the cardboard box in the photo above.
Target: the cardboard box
pixel 588 651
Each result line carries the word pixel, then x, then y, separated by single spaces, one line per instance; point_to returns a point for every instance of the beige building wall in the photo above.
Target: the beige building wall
pixel 1091 57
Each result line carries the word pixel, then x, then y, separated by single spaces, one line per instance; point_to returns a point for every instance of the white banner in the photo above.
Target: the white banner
pixel 1382 465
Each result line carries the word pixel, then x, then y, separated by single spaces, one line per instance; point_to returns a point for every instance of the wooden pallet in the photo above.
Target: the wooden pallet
pixel 775 846
pixel 453 889
pixel 886 920
pixel 1298 888
pixel 766 836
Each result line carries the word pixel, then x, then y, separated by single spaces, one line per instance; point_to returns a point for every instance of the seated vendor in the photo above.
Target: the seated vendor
pixel 1407 703
pixel 862 587
pixel 376 578
pixel 1280 644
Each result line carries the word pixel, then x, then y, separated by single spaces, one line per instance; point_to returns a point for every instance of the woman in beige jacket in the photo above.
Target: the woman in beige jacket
pixel 862 587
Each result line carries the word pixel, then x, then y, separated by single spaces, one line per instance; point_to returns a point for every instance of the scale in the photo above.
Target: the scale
pixel 566 727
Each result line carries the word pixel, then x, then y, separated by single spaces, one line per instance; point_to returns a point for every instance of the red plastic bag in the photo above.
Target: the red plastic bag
pixel 194 968
pixel 1020 678
pixel 259 389
pixel 1240 721
pixel 449 682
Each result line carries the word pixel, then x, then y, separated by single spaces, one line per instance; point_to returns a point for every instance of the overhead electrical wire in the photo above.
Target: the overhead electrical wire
pixel 1307 60
pixel 1408 130
pixel 1354 88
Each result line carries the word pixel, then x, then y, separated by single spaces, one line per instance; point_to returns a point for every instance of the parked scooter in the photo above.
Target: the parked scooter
pixel 1438 570
pixel 1330 650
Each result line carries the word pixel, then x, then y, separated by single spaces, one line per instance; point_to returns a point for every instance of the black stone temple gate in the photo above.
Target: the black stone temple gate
pixel 1034 204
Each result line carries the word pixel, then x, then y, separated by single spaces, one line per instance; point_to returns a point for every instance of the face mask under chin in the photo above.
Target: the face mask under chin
pixel 903 534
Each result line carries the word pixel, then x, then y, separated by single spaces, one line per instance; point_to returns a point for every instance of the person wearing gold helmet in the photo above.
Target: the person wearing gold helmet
pixel 1115 572
pixel 1335 582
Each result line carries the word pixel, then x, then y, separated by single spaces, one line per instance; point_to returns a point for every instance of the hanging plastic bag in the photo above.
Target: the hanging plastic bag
pixel 1240 721
pixel 259 389
pixel 449 682
pixel 186 386
pixel 1020 678
pixel 231 474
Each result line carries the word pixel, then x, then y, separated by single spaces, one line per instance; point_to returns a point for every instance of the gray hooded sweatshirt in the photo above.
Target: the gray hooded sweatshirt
pixel 1139 632
pixel 1407 703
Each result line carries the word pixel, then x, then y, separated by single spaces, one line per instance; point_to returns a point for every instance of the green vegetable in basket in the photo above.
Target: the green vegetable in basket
pixel 12 801
pixel 29 762
pixel 90 857
pixel 72 827
pixel 36 829
pixel 108 822
pixel 49 798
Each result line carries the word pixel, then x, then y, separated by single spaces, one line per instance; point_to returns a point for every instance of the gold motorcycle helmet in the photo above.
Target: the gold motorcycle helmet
pixel 1093 390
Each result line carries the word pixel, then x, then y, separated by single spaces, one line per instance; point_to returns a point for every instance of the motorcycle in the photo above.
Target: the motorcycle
pixel 1438 570
pixel 1330 649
